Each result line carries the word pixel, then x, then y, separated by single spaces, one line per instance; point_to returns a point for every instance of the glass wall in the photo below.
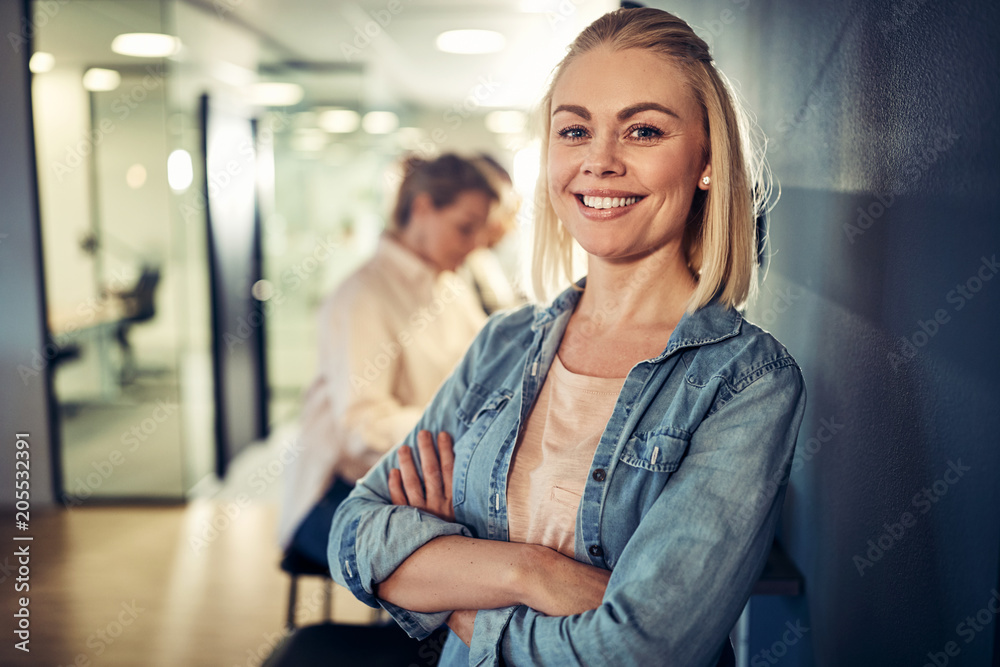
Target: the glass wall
pixel 122 188
pixel 124 269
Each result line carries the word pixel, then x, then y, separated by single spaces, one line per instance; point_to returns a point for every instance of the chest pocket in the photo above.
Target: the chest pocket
pixel 477 411
pixel 655 452
pixel 645 466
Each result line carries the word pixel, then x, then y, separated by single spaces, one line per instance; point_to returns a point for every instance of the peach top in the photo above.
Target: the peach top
pixel 553 457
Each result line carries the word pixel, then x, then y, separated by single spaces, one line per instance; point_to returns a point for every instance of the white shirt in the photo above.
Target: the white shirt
pixel 389 336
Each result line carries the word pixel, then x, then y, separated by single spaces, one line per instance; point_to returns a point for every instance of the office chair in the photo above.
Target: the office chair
pixel 336 644
pixel 140 306
pixel 296 565
pixel 333 645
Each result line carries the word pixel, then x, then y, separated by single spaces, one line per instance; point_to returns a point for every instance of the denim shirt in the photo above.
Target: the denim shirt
pixel 681 503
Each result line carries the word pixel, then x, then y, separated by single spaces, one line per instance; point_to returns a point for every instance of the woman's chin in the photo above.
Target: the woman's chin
pixel 605 249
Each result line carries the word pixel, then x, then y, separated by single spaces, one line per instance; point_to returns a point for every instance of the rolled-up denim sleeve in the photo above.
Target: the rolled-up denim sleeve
pixel 370 537
pixel 686 573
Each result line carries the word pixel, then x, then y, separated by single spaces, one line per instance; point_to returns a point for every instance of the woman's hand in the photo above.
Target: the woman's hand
pixel 462 623
pixel 557 585
pixel 537 576
pixel 434 494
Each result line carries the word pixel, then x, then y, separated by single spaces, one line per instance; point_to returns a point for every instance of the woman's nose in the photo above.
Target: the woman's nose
pixel 481 238
pixel 603 158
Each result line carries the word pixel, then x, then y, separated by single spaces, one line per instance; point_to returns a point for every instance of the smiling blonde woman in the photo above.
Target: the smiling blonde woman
pixel 598 491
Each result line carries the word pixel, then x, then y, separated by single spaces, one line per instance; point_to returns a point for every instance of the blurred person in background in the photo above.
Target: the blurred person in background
pixel 483 268
pixel 389 335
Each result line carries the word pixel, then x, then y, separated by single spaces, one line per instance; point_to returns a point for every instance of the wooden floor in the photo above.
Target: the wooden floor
pixel 135 586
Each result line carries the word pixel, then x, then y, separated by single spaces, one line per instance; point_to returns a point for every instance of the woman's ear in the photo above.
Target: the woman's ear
pixel 705 180
pixel 421 206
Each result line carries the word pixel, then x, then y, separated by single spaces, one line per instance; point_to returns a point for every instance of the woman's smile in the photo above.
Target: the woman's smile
pixel 607 204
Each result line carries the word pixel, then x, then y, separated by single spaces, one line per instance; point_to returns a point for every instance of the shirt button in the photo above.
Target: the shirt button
pixel 596 551
pixel 600 475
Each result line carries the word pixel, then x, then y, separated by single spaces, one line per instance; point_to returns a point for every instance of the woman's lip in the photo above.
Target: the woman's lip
pixel 604 213
pixel 607 193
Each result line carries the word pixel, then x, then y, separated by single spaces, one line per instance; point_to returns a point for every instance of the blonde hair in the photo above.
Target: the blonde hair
pixel 720 239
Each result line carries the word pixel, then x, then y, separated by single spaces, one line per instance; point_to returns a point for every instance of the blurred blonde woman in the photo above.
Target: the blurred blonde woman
pixel 592 484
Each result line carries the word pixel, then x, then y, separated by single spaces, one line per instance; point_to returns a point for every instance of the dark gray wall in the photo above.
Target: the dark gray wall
pixel 24 395
pixel 883 120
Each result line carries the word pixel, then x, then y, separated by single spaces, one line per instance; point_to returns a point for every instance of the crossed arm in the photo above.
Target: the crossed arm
pixel 468 574
pixel 678 585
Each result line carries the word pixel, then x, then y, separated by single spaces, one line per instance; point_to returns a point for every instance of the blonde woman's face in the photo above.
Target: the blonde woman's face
pixel 625 152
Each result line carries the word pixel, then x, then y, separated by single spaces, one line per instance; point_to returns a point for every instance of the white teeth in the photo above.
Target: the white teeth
pixel 608 202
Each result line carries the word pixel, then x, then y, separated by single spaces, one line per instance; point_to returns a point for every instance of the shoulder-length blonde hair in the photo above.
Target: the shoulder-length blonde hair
pixel 720 240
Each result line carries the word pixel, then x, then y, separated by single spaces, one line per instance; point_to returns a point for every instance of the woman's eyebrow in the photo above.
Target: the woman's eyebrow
pixel 628 112
pixel 624 114
pixel 573 108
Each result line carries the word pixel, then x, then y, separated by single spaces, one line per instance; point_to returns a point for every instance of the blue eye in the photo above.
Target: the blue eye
pixel 575 132
pixel 645 132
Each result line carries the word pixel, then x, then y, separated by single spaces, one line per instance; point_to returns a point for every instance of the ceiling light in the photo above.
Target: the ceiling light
pixel 470 41
pixel 275 94
pixel 339 121
pixel 262 290
pixel 506 122
pixel 135 177
pixel 380 122
pixel 146 45
pixel 180 170
pixel 97 80
pixel 41 62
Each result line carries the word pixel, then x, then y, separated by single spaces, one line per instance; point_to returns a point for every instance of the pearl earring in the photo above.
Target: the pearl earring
pixel 706 180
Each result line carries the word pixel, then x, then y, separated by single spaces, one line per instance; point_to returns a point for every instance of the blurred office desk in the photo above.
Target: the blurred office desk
pixel 90 327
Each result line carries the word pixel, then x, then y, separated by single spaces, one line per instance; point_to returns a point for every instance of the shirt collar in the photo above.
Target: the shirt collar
pixel 711 323
pixel 411 267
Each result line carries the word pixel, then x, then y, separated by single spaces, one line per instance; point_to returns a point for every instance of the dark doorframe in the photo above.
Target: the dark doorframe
pixel 26 401
pixel 234 262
